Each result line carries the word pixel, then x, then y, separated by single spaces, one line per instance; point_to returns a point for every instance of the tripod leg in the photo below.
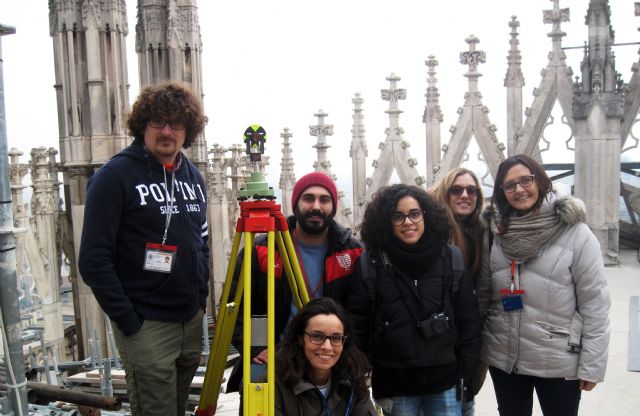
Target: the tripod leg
pixel 260 396
pixel 271 327
pixel 286 262
pixel 246 329
pixel 225 324
pixel 302 288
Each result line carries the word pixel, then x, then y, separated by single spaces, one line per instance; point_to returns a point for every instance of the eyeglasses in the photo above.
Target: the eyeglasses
pixel 415 215
pixel 524 181
pixel 319 338
pixel 458 190
pixel 173 125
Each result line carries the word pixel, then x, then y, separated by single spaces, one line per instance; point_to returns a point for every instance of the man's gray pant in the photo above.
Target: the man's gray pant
pixel 160 361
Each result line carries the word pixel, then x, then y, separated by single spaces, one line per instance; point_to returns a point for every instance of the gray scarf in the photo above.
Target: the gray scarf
pixel 529 234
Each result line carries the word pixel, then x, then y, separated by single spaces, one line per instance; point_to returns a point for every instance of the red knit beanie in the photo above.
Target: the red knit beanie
pixel 315 179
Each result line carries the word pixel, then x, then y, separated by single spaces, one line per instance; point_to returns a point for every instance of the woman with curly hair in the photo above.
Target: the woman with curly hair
pixel 459 191
pixel 319 369
pixel 414 315
pixel 545 295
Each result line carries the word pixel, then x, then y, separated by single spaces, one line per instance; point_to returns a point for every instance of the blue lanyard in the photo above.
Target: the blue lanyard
pixel 325 404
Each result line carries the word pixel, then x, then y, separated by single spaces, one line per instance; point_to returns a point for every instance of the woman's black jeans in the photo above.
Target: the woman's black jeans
pixel 514 393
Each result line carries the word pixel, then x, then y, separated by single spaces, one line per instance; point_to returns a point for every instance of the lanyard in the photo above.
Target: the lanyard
pixel 325 404
pixel 312 293
pixel 514 284
pixel 514 287
pixel 168 202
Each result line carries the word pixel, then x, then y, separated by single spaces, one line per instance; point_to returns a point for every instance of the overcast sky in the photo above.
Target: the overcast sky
pixel 275 63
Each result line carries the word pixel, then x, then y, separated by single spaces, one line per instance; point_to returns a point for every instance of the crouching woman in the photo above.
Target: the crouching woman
pixel 319 369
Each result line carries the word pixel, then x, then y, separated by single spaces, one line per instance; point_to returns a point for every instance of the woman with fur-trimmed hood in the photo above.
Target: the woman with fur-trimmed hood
pixel 544 294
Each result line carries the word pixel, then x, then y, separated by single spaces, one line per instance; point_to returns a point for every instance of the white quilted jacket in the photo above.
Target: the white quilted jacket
pixel 563 329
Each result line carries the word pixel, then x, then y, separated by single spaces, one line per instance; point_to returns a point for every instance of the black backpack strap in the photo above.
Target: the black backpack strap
pixel 457 267
pixel 369 274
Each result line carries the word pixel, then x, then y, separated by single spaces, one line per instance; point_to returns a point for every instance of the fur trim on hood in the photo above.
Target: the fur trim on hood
pixel 570 210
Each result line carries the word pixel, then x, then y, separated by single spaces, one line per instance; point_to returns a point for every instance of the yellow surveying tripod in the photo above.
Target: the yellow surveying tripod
pixel 258 214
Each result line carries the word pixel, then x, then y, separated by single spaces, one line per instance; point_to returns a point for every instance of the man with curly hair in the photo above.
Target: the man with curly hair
pixel 144 249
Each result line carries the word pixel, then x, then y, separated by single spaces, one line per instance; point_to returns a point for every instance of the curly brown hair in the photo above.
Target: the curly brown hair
pixel 169 101
pixel 376 229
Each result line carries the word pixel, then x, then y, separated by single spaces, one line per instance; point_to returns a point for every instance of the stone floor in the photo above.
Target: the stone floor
pixel 618 395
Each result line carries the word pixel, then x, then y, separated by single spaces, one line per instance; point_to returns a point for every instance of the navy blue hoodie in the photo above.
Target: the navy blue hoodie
pixel 125 210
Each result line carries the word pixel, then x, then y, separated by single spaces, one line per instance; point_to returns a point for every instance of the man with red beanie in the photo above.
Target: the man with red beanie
pixel 327 253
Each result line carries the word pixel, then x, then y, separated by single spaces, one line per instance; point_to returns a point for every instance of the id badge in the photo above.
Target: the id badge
pixel 512 303
pixel 159 258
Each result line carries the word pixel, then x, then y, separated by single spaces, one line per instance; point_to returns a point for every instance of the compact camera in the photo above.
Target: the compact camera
pixel 437 324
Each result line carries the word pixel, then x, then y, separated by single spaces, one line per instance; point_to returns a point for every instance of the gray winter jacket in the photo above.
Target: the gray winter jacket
pixel 563 329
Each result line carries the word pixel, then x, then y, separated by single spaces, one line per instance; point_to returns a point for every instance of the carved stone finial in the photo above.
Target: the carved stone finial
pixel 286 135
pixel 555 17
pixel 393 94
pixel 431 62
pixel 432 111
pixel 514 76
pixel 321 129
pixel 357 100
pixel 473 57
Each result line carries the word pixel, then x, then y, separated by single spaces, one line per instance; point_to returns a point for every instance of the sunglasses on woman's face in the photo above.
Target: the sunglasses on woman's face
pixel 458 190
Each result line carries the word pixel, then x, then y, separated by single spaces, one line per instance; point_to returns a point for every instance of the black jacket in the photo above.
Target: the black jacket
pixel 304 399
pixel 124 211
pixel 387 329
pixel 342 254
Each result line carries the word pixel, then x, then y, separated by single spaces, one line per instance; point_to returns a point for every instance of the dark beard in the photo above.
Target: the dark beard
pixel 312 228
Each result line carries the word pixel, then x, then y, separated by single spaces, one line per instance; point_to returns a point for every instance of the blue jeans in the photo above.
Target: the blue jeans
pixel 439 404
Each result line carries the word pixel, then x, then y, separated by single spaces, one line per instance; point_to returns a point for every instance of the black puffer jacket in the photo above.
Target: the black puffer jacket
pixel 387 328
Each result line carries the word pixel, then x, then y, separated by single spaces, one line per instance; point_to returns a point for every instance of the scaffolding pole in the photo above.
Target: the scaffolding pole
pixel 9 310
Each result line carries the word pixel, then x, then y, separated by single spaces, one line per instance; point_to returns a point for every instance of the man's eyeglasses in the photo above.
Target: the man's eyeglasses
pixel 319 338
pixel 415 215
pixel 173 125
pixel 524 181
pixel 458 190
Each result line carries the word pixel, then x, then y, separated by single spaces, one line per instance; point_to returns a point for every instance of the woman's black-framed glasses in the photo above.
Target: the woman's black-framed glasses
pixel 458 190
pixel 524 181
pixel 319 338
pixel 415 215
pixel 173 125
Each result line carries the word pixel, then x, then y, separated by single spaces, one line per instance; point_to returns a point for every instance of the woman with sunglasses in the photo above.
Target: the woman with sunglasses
pixel 319 370
pixel 419 323
pixel 459 191
pixel 545 295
